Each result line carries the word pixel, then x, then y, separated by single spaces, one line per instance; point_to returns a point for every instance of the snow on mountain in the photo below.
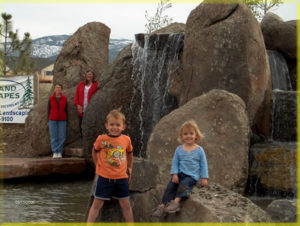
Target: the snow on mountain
pixel 50 46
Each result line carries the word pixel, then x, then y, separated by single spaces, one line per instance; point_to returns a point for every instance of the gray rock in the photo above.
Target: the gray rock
pixel 86 49
pixel 221 116
pixel 144 175
pixel 283 210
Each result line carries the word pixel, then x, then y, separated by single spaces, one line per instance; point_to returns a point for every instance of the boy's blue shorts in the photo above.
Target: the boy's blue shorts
pixel 111 188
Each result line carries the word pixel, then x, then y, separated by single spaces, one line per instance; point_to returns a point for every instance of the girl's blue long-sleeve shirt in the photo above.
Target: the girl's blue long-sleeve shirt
pixel 193 164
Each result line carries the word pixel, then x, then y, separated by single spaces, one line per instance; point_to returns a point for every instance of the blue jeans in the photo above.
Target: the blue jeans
pixel 57 131
pixel 181 190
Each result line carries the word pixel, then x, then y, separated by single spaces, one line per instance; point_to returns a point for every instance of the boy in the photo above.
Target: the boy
pixel 112 155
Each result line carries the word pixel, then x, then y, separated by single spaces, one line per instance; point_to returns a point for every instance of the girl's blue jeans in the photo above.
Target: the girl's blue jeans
pixel 182 189
pixel 57 130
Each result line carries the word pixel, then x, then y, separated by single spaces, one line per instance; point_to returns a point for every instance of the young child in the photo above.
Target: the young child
pixel 188 166
pixel 112 155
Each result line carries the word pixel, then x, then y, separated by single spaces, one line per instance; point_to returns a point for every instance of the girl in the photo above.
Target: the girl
pixel 84 92
pixel 188 166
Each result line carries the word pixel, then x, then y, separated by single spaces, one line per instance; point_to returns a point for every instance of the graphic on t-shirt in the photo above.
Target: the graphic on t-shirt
pixel 115 156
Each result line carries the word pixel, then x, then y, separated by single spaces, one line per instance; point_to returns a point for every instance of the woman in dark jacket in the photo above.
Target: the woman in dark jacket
pixel 84 92
pixel 57 115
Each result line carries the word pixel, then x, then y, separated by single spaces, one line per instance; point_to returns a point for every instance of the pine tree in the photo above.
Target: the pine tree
pixel 28 95
pixel 13 45
pixel 158 20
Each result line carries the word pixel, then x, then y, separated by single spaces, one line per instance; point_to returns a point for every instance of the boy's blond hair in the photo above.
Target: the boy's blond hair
pixel 116 114
pixel 191 124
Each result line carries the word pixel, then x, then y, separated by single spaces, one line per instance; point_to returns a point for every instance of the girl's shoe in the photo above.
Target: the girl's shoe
pixel 173 207
pixel 54 155
pixel 160 211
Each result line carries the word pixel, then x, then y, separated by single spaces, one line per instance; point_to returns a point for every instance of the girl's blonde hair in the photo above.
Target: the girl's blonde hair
pixel 191 124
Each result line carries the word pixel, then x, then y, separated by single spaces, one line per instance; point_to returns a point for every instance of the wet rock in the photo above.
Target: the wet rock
pixel 273 169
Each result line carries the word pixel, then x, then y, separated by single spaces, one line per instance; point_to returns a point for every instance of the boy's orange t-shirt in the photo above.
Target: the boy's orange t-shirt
pixel 111 160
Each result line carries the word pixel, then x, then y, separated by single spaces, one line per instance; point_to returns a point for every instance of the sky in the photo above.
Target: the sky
pixel 124 20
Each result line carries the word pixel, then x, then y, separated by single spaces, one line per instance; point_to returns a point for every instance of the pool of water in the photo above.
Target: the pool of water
pixel 52 201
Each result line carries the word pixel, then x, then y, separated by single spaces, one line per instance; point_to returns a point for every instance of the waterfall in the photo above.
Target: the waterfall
pixel 279 71
pixel 155 57
pixel 284 124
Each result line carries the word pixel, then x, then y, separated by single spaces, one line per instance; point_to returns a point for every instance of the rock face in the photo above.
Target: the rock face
pixel 224 49
pixel 273 169
pixel 283 210
pixel 86 49
pixel 282 36
pixel 284 116
pixel 144 175
pixel 221 116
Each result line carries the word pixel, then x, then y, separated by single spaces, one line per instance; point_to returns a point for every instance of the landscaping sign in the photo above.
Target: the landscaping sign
pixel 16 98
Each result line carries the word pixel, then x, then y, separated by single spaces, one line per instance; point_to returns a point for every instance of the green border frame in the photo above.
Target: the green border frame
pixel 179 223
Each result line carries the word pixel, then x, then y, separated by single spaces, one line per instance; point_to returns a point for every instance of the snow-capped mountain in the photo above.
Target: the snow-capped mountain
pixel 50 46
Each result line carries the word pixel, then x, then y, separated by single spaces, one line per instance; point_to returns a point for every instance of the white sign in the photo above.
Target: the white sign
pixel 16 98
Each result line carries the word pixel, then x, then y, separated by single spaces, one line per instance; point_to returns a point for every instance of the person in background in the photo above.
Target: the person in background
pixel 84 92
pixel 188 166
pixel 113 158
pixel 57 115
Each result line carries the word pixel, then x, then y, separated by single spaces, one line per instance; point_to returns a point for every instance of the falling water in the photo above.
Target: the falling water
pixel 279 71
pixel 284 124
pixel 155 57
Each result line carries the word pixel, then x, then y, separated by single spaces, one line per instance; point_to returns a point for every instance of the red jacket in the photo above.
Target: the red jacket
pixel 58 113
pixel 79 95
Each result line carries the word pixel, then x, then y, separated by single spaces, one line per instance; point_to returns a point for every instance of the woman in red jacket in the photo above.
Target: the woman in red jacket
pixel 84 92
pixel 57 115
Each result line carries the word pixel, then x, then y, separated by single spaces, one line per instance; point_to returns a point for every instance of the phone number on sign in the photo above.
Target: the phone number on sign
pixel 7 119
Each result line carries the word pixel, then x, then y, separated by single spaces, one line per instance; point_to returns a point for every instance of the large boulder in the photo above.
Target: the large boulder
pixel 86 49
pixel 222 117
pixel 224 49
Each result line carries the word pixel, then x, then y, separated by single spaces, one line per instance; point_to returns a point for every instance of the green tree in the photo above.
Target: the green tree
pixel 158 20
pixel 261 7
pixel 28 95
pixel 12 45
